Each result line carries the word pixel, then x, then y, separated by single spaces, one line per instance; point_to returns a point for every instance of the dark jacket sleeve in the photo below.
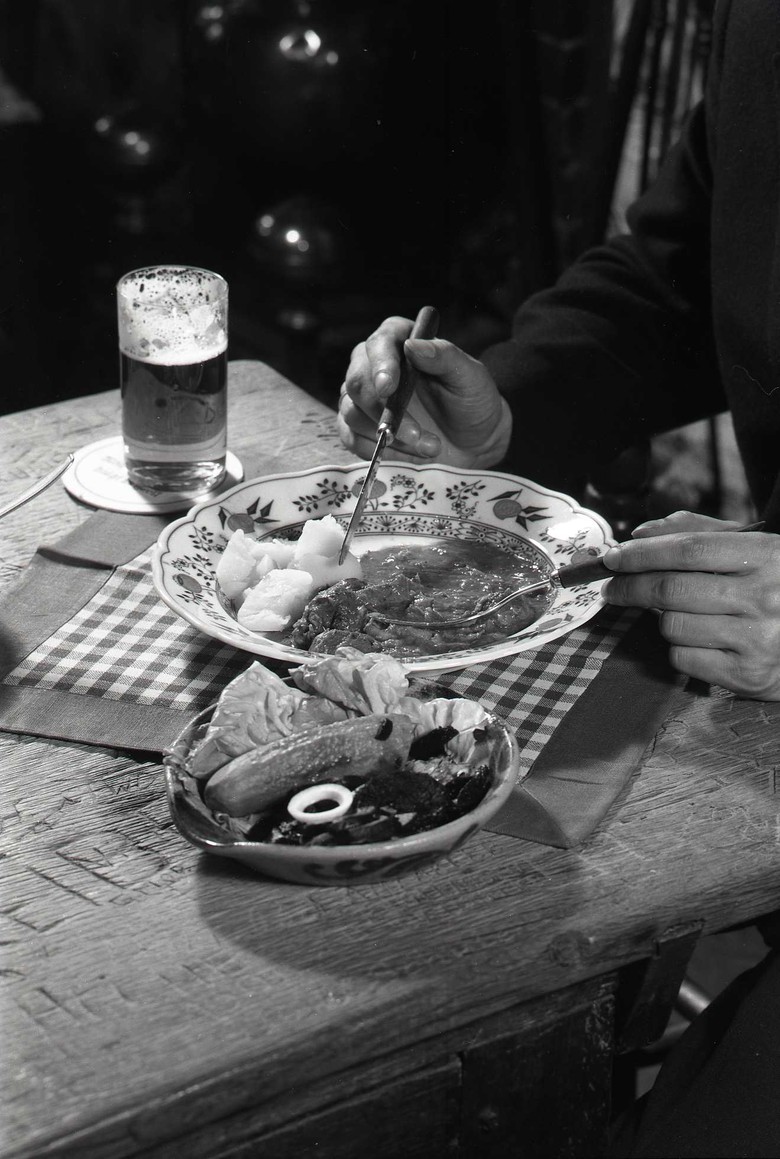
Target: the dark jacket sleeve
pixel 621 347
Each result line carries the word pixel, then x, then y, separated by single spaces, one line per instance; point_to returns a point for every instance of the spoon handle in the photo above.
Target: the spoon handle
pixel 426 325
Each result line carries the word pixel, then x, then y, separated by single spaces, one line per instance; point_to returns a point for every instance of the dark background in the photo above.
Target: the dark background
pixel 336 161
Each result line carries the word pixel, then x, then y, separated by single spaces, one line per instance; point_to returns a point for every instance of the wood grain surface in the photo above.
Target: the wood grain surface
pixel 152 994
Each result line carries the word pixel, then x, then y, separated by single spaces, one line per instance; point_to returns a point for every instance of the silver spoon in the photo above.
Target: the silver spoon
pixel 36 488
pixel 567 576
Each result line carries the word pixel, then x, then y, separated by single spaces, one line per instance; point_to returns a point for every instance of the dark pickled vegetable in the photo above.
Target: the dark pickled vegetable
pixel 386 805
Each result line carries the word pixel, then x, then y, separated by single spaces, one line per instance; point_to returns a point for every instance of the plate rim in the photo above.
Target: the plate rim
pixel 429 664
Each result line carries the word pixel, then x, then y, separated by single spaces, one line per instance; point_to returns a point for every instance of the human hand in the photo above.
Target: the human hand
pixel 718 594
pixel 456 414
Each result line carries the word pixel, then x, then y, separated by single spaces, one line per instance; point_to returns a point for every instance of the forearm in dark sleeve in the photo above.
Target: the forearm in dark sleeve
pixel 621 347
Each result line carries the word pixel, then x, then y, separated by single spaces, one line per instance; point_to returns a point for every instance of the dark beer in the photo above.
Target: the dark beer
pixel 173 378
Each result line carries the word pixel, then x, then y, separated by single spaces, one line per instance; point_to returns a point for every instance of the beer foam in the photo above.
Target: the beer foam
pixel 172 315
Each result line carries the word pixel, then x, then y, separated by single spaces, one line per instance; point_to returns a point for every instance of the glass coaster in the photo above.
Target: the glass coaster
pixel 98 476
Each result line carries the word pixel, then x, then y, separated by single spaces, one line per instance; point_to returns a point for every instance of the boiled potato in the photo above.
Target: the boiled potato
pixel 281 551
pixel 279 597
pixel 242 564
pixel 319 537
pixel 264 578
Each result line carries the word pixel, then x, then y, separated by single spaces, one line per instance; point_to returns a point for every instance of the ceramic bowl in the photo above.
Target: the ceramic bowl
pixel 407 504
pixel 335 865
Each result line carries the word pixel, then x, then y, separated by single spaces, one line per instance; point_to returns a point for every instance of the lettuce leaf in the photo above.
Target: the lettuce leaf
pixel 364 682
pixel 256 707
pixel 467 716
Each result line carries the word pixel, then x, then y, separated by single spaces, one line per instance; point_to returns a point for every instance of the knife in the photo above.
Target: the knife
pixel 36 488
pixel 425 326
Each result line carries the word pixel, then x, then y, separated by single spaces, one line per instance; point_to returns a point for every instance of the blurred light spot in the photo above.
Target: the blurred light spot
pixel 300 44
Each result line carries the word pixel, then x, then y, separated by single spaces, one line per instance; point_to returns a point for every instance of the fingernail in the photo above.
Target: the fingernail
pixel 646 525
pixel 428 445
pixel 382 379
pixel 612 559
pixel 421 346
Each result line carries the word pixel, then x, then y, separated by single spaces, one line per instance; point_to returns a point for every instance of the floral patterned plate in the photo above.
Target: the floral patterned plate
pixel 407 504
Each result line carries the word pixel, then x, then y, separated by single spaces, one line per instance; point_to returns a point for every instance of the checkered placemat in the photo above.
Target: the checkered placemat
pixel 534 690
pixel 126 645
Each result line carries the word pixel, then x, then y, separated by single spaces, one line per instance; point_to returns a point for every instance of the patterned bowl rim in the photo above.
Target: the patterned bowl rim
pixel 268 647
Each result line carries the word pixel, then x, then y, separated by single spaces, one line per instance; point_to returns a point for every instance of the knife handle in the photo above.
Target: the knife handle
pixel 585 572
pixel 426 325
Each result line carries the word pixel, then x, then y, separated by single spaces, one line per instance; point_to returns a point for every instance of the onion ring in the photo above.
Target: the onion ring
pixel 298 806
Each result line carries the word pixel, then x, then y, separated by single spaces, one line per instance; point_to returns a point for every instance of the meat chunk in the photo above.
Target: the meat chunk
pixel 392 597
pixel 334 608
pixel 346 614
pixel 333 638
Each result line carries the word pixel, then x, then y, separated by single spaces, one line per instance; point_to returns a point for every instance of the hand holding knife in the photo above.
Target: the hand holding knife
pixel 425 326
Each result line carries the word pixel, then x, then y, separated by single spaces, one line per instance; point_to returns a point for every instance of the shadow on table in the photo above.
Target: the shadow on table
pixel 399 919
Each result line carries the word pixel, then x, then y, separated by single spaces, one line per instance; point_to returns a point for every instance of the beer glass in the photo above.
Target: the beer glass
pixel 173 378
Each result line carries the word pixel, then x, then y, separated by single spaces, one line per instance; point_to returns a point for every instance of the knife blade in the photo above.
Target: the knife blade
pixel 36 488
pixel 426 325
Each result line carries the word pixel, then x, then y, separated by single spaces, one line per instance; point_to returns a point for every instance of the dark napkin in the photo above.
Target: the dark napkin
pixel 586 766
pixel 586 760
pixel 61 579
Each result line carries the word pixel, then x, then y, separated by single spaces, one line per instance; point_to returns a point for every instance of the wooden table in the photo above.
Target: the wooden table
pixel 161 1003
